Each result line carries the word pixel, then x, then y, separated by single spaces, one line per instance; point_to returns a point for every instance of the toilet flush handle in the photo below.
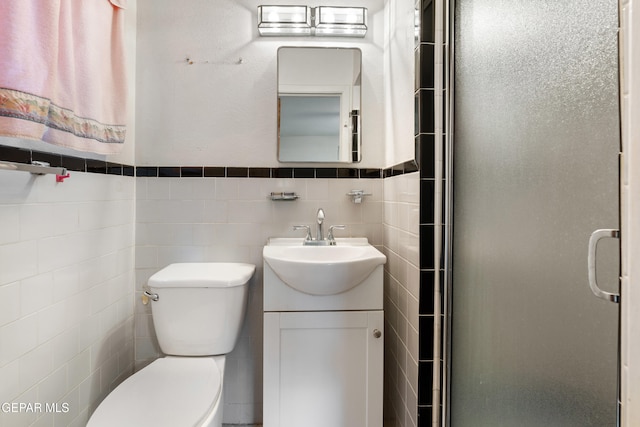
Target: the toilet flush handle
pixel 148 295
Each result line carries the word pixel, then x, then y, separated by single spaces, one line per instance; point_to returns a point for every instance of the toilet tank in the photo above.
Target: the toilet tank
pixel 200 307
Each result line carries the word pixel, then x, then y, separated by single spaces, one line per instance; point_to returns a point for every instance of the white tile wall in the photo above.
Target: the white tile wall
pixel 402 292
pixel 230 219
pixel 66 293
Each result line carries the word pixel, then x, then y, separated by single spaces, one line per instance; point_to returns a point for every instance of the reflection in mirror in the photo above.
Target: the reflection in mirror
pixel 319 104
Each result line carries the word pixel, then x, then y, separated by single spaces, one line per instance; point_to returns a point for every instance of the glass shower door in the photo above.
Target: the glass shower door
pixel 535 171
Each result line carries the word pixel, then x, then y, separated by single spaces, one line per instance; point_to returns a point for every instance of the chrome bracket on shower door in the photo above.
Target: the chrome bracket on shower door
pixel 591 261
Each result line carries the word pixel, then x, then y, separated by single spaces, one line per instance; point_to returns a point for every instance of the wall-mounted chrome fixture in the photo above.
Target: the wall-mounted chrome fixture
pixel 36 168
pixel 336 21
pixel 283 196
pixel 357 195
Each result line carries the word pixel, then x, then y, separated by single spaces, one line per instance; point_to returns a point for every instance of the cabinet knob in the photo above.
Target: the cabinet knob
pixel 377 333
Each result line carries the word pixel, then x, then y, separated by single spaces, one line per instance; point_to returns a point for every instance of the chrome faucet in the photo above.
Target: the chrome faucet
pixel 308 237
pixel 330 237
pixel 319 221
pixel 319 240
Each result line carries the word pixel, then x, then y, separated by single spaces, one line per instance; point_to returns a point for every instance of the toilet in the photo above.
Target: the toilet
pixel 198 314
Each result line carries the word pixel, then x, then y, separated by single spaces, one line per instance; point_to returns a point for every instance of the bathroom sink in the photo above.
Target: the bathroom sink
pixel 322 270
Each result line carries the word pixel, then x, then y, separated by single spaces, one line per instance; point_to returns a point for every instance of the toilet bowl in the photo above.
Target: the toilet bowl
pixel 170 392
pixel 198 310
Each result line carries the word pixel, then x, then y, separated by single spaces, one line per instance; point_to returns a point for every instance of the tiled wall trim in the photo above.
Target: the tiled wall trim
pixel 259 172
pixel 74 164
pixel 430 138
pixel 262 172
pixel 79 164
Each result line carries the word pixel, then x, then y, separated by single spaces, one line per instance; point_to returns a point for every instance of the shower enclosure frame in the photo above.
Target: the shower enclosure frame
pixel 444 246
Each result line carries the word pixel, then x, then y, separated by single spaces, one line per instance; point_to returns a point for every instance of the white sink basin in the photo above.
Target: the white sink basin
pixel 322 270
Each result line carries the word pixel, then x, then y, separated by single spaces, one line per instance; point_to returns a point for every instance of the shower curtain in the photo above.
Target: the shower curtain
pixel 62 73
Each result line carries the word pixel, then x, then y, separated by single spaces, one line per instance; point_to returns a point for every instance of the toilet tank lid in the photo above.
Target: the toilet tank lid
pixel 202 275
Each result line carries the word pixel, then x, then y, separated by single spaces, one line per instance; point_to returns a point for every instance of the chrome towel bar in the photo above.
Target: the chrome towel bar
pixel 36 168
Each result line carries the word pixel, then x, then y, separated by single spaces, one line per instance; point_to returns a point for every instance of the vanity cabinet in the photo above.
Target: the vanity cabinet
pixel 323 353
pixel 323 368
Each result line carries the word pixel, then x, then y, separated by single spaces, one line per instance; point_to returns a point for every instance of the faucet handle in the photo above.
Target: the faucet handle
pixel 330 235
pixel 304 227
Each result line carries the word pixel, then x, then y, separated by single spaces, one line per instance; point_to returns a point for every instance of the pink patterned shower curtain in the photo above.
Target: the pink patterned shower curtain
pixel 62 72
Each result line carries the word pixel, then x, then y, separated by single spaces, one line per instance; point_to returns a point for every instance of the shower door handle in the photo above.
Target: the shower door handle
pixel 591 261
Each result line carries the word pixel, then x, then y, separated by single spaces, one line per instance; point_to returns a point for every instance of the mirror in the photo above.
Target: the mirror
pixel 319 104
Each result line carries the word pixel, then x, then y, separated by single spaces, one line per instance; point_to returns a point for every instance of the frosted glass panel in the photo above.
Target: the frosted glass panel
pixel 535 172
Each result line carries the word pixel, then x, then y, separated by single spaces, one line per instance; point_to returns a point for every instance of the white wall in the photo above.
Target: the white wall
pixel 218 111
pixel 399 78
pixel 402 293
pixel 66 289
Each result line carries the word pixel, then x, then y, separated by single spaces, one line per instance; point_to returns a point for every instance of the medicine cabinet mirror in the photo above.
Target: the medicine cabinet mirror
pixel 319 104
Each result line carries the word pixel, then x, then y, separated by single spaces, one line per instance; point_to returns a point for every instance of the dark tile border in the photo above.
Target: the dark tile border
pixel 214 172
pixel 150 171
pixel 96 166
pixel 401 168
pixel 128 170
pixel 371 173
pixel 71 163
pixel 263 172
pixel 55 160
pixel 304 172
pixel 79 164
pixel 17 155
pixel 74 164
pixel 259 172
pixel 192 172
pixel 236 172
pixel 282 173
pixel 425 143
pixel 326 173
pixel 169 172
pixel 114 169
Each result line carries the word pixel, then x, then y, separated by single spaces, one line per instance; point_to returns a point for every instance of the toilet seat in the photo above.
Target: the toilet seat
pixel 171 391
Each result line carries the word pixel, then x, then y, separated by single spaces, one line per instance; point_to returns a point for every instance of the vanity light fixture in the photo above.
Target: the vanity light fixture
pixel 284 20
pixel 340 21
pixel 337 21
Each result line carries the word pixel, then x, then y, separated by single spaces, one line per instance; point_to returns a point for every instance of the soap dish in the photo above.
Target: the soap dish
pixel 283 196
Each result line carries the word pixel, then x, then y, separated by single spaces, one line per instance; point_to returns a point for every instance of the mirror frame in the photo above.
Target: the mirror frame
pixel 352 142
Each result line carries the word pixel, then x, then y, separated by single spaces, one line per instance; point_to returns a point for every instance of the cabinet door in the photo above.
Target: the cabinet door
pixel 323 369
